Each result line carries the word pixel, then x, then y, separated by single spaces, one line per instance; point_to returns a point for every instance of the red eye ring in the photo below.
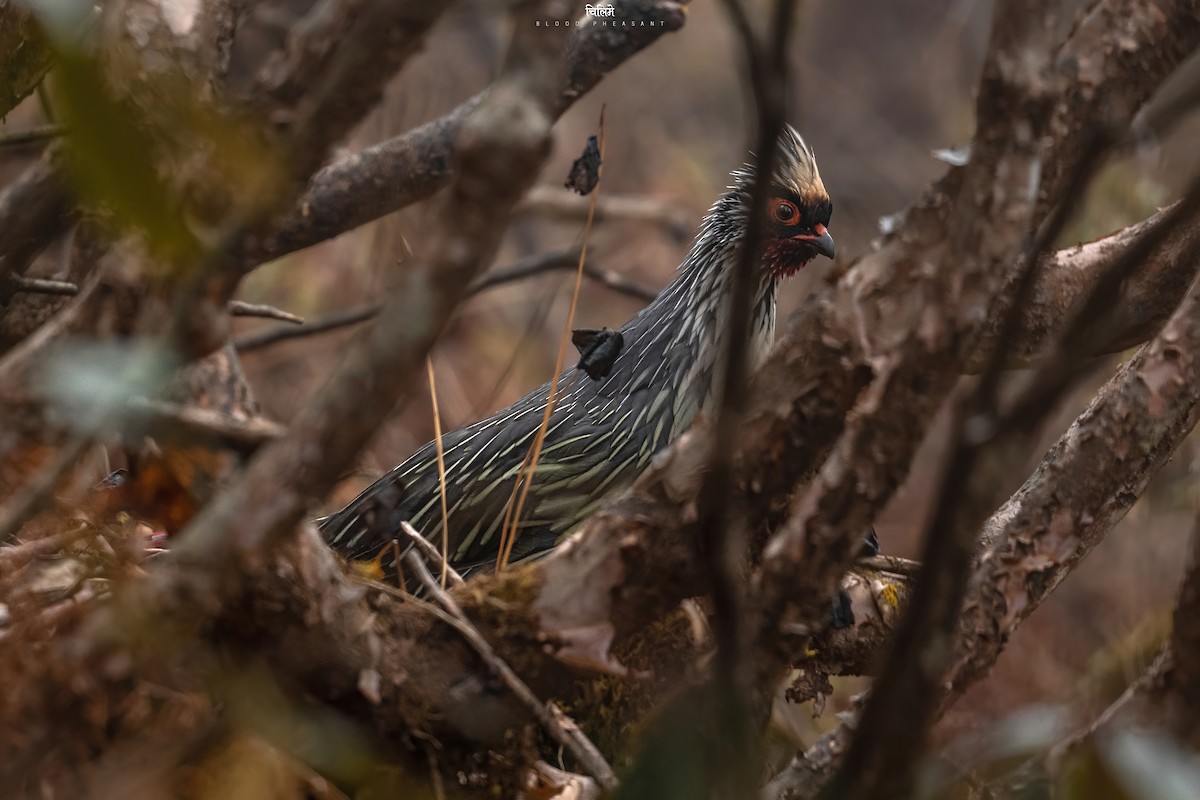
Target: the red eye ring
pixel 784 211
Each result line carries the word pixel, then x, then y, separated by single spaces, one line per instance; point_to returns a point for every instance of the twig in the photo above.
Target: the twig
pixel 435 776
pixel 20 283
pixel 537 265
pixel 239 308
pixel 508 536
pixel 431 553
pixel 34 135
pixel 441 468
pixel 281 333
pixel 564 730
pixel 565 259
pixel 554 202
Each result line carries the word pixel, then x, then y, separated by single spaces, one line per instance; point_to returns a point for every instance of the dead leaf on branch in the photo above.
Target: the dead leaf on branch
pixel 585 172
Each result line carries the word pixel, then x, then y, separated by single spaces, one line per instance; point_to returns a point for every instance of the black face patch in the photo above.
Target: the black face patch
pixel 812 211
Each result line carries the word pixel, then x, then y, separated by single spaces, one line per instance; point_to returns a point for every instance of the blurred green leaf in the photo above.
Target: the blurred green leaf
pixel 155 156
pixel 112 159
pixel 998 756
pixel 89 384
pixel 1151 766
pixel 1130 765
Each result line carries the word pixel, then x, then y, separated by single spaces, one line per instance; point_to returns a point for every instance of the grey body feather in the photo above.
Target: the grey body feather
pixel 602 433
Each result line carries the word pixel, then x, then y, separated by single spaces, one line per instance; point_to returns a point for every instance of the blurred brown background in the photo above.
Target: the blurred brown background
pixel 877 88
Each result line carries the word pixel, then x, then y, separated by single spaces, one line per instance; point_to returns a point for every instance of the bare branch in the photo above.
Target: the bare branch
pixel 547 201
pixel 431 553
pixel 333 68
pixel 912 349
pixel 1044 531
pixel 33 212
pixel 1012 110
pixel 239 308
pixel 170 421
pixel 563 260
pixel 20 283
pixel 27 55
pixel 1047 528
pixel 537 265
pixel 396 173
pixel 1064 279
pixel 39 134
pixel 564 730
pixel 282 333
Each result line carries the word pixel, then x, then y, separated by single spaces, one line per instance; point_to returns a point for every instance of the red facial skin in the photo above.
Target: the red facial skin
pixel 784 256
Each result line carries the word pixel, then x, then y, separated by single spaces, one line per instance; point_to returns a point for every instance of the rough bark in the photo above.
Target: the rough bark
pixel 232 544
pixel 1054 521
pixel 24 52
pixel 1116 57
pixel 1063 279
pixel 1043 532
pixel 895 325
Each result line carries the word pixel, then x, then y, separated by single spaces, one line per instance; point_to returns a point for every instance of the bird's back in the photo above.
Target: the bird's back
pixel 601 434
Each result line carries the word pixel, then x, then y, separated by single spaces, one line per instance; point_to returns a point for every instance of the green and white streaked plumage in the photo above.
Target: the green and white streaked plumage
pixel 602 433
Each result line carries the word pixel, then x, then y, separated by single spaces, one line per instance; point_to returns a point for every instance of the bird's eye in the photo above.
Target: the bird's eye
pixel 785 212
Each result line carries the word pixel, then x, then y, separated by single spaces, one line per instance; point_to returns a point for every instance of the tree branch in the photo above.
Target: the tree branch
pixel 1082 488
pixel 1086 483
pixel 1062 280
pixel 537 265
pixel 400 171
pixel 501 148
pixel 562 728
pixel 25 54
pixel 563 204
pixel 1106 83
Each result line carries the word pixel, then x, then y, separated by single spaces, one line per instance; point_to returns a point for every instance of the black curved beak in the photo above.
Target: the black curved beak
pixel 824 245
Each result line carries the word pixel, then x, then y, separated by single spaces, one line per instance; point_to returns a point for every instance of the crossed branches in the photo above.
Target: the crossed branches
pixel 828 431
